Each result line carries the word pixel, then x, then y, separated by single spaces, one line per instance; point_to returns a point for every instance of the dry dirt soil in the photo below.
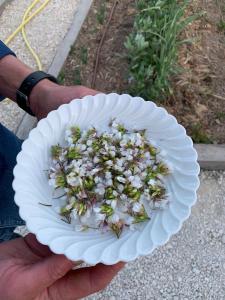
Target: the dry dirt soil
pixel 198 101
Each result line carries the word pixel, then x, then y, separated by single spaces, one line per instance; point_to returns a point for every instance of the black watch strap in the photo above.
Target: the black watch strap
pixel 23 93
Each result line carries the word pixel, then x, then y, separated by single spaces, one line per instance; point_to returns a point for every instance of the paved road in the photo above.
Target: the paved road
pixel 192 264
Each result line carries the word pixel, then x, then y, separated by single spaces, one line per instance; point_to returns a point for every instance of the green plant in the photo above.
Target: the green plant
pixel 221 25
pixel 220 115
pixel 61 77
pixel 101 13
pixel 72 49
pixel 77 76
pixel 152 47
pixel 84 55
pixel 199 136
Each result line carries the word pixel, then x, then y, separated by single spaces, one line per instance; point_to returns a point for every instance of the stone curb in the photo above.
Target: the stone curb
pixel 211 157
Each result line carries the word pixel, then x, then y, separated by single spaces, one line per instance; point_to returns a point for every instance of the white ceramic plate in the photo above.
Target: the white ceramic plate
pixel 31 184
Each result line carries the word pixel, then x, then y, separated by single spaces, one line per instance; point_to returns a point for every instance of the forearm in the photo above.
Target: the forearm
pixel 12 73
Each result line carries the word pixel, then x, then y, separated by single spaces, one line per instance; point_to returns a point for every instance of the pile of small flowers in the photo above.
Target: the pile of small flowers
pixel 109 180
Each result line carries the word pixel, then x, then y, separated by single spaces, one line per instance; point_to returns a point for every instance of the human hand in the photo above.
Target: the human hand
pixel 47 96
pixel 30 271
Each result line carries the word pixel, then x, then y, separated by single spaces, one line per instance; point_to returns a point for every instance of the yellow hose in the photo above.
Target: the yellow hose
pixel 38 62
pixel 26 20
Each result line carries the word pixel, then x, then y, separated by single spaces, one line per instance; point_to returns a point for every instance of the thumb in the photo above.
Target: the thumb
pixel 45 272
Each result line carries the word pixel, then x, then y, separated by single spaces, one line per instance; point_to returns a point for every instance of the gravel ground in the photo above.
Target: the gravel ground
pixel 45 32
pixel 191 265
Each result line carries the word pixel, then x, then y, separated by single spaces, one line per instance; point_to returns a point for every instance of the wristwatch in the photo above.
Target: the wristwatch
pixel 23 93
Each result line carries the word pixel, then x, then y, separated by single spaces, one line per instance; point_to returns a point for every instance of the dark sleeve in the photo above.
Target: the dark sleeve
pixel 4 50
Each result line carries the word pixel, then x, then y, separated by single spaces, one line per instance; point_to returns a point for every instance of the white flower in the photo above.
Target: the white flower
pixel 114 124
pixel 115 193
pixel 129 157
pixel 114 218
pixel 97 179
pixel 106 146
pixel 120 162
pixel 73 180
pixel 108 175
pixel 69 206
pixel 61 157
pixel 123 197
pixel 109 182
pixel 138 142
pixel 141 166
pixel 85 217
pixel 112 153
pixel 136 170
pixel 100 217
pixel 147 155
pixel 100 190
pixel 112 148
pixel 68 133
pixel 152 182
pixel 72 200
pixel 120 188
pixel 123 143
pixel 109 163
pixel 94 171
pixel 123 152
pixel 120 169
pixel 129 220
pixel 128 173
pixel 121 179
pixel 83 147
pixel 135 181
pixel 96 160
pixel 69 140
pixel 96 209
pixel 82 195
pixel 113 204
pixel 89 143
pixel 122 207
pixel 149 162
pixel 89 150
pixel 118 135
pixel 135 152
pixel 137 207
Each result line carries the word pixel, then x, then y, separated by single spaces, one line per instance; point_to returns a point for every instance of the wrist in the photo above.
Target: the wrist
pixel 40 96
